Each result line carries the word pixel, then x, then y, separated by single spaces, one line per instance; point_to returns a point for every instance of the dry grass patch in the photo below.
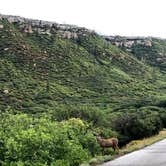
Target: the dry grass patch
pixel 139 144
pixel 130 147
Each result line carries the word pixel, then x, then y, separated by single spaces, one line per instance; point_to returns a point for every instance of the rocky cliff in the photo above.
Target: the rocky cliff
pixel 147 49
pixel 46 27
pixel 69 31
pixel 128 42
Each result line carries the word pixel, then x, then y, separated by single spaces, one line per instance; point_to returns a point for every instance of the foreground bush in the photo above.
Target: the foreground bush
pixel 39 141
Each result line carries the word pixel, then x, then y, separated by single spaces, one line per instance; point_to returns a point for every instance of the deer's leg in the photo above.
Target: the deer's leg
pixel 117 149
pixel 103 151
pixel 114 148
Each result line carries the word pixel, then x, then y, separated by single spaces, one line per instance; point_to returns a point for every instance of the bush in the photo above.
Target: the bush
pixel 136 125
pixel 26 140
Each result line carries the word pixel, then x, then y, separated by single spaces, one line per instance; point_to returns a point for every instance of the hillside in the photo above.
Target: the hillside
pixel 148 50
pixel 67 71
pixel 85 69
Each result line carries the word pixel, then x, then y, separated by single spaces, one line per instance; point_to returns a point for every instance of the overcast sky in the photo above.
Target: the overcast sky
pixel 110 17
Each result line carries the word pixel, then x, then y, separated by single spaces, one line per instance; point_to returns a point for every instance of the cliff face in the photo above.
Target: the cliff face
pixel 46 27
pixel 128 42
pixel 70 31
pixel 149 50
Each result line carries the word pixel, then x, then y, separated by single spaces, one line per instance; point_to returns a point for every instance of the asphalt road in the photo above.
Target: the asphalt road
pixel 154 155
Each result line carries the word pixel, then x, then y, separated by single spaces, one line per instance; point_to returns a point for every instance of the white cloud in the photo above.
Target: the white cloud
pixel 120 17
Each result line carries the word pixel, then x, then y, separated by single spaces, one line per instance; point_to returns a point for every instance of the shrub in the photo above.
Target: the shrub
pixel 27 140
pixel 138 124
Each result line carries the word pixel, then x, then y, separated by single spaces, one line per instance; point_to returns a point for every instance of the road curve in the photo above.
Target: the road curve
pixel 154 155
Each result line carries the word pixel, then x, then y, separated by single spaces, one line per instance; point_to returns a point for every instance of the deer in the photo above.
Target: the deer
pixel 106 143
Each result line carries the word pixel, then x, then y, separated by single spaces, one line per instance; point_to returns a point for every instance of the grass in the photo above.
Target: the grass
pixel 139 144
pixel 130 147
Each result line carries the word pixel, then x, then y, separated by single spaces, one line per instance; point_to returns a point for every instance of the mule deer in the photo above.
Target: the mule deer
pixel 106 143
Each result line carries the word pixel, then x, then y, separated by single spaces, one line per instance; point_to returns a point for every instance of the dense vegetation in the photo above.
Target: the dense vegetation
pixel 40 141
pixel 55 93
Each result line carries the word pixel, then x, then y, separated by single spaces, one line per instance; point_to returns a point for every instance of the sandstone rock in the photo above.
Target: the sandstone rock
pixel 6 91
pixel 1 26
pixel 46 27
pixel 128 44
pixel 148 43
pixel 5 49
pixel 139 41
pixel 161 59
pixel 28 29
pixel 118 44
pixel 74 35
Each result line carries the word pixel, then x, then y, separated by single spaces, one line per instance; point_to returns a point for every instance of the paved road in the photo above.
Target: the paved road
pixel 154 155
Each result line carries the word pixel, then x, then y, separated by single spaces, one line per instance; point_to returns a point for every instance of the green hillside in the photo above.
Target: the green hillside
pixel 155 56
pixel 117 92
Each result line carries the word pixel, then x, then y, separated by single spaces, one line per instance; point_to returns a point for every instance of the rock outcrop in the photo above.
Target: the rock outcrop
pixel 69 31
pixel 1 26
pixel 46 27
pixel 128 42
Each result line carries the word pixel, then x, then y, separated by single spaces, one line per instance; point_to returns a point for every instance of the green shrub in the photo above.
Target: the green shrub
pixel 137 124
pixel 28 140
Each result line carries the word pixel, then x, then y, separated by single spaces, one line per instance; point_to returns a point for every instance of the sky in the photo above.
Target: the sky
pixel 109 17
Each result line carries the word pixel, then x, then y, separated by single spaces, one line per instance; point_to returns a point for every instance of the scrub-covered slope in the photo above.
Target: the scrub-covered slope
pixel 68 71
pixel 52 73
pixel 148 50
pixel 46 66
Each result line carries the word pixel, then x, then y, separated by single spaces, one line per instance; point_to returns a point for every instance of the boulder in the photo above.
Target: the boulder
pixel 1 26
